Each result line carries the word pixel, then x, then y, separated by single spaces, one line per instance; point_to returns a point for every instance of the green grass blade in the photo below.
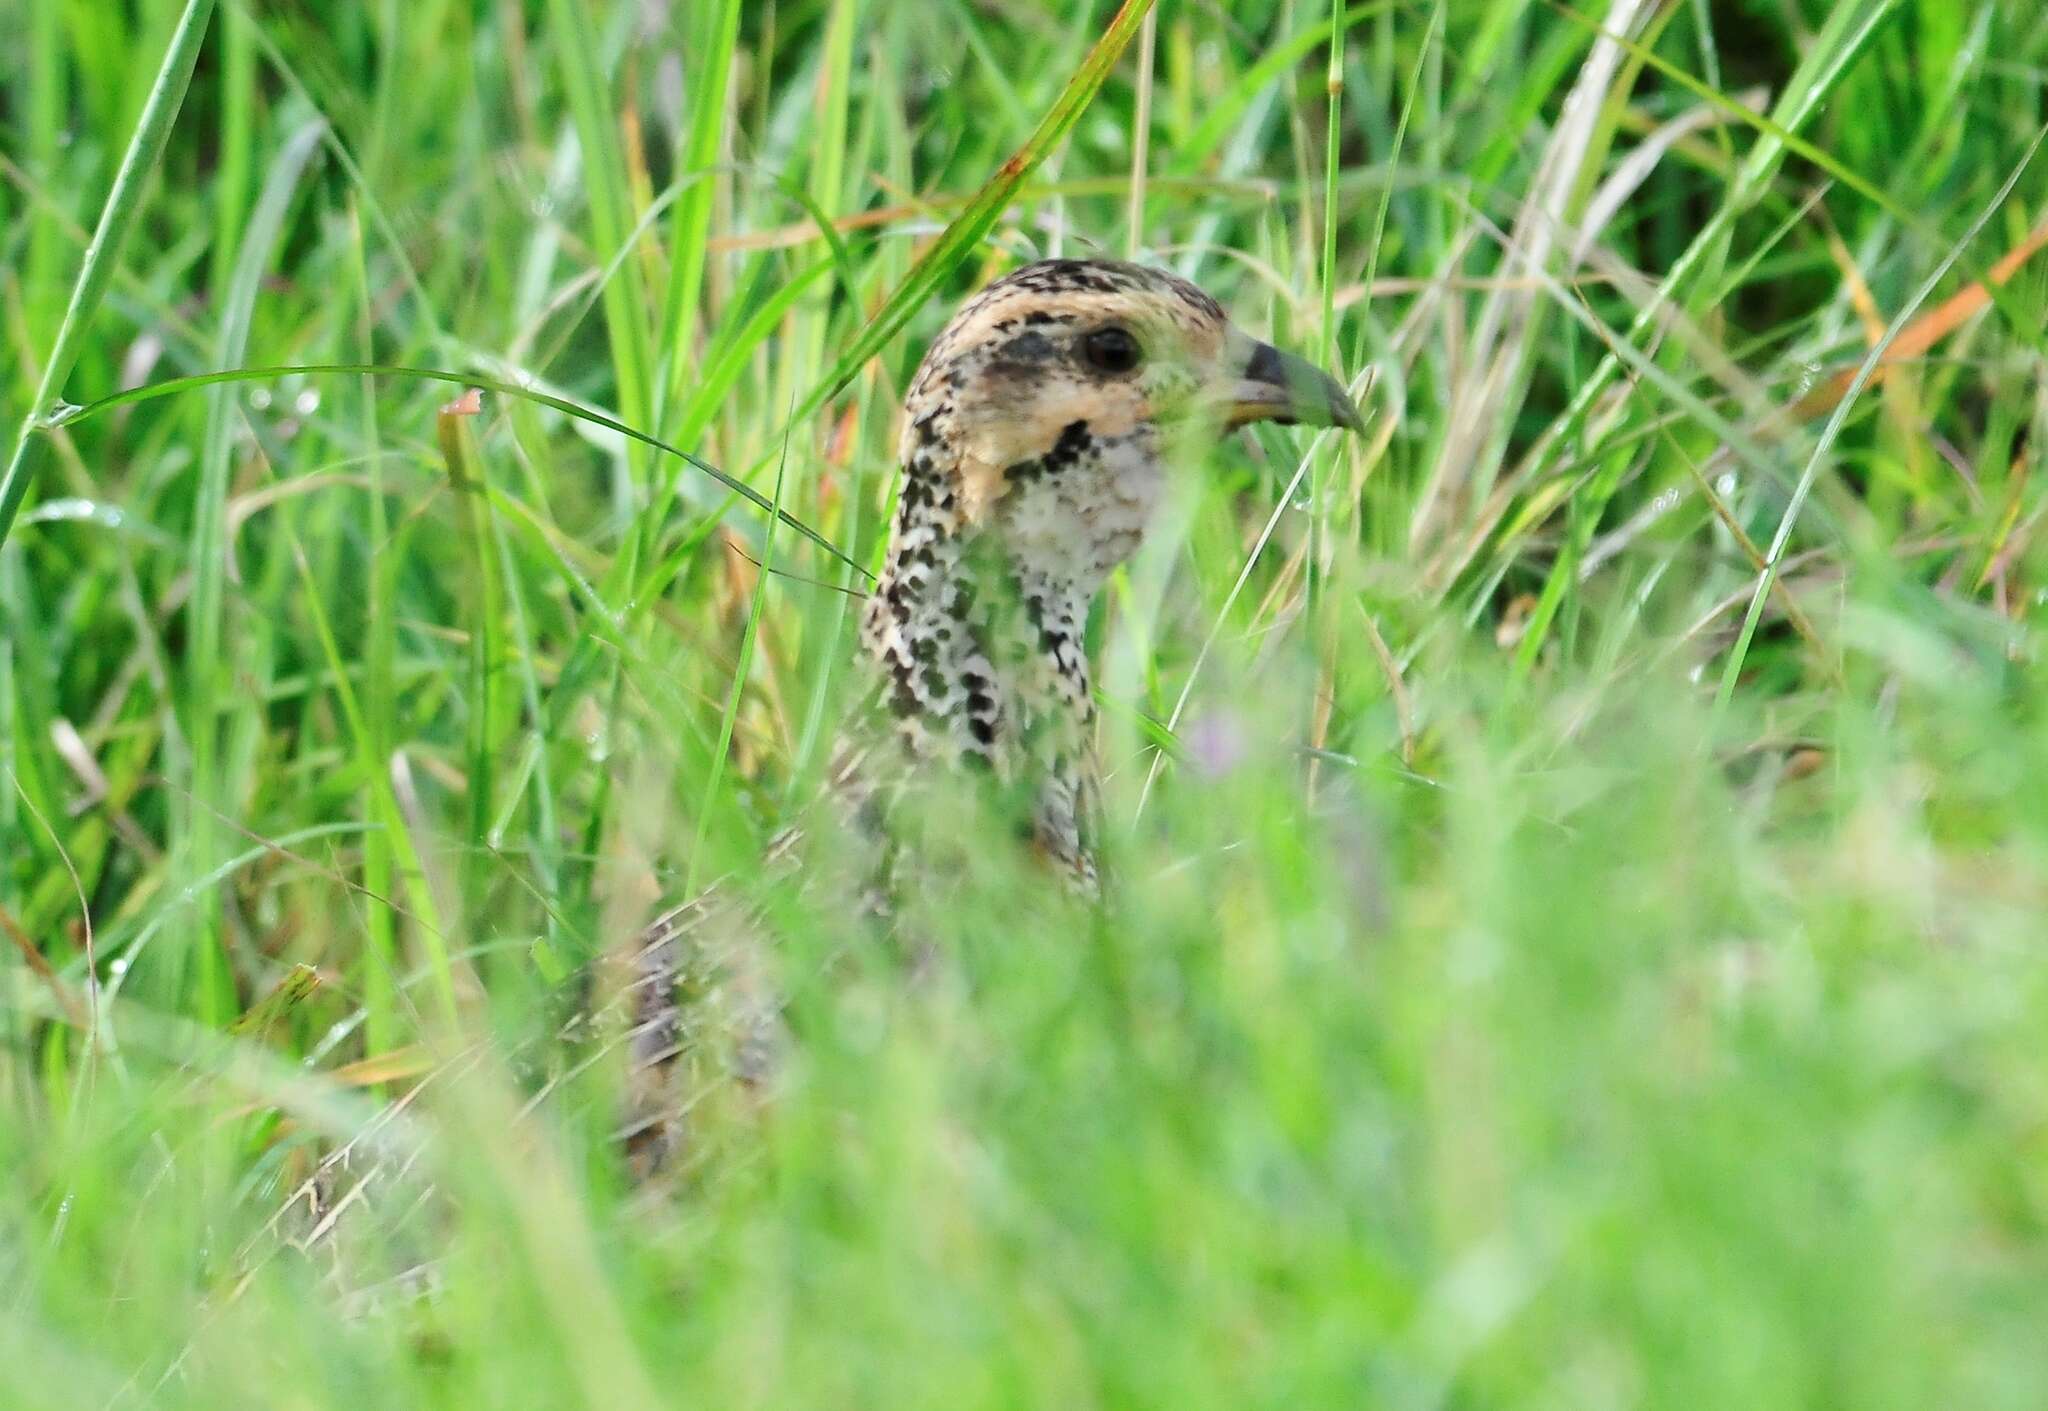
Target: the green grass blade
pixel 690 229
pixel 212 989
pixel 124 199
pixel 708 806
pixel 967 229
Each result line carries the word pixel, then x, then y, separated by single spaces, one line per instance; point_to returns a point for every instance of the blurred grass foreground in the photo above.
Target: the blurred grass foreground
pixel 1581 849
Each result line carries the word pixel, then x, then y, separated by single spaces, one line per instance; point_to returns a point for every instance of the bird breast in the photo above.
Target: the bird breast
pixel 1082 509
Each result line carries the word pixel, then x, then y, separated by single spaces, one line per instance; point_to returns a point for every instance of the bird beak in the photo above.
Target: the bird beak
pixel 1276 386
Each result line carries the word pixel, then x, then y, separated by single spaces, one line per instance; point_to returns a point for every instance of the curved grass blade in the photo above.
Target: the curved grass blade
pixel 124 198
pixel 740 672
pixel 174 385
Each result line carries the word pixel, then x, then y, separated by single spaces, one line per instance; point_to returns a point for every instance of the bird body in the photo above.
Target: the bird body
pixel 1040 434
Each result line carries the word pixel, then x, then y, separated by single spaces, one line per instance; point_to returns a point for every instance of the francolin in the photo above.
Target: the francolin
pixel 1040 434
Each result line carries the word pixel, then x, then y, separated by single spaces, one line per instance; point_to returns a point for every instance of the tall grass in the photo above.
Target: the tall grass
pixel 1578 850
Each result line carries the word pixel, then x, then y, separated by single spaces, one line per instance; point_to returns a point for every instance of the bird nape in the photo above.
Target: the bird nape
pixel 1040 433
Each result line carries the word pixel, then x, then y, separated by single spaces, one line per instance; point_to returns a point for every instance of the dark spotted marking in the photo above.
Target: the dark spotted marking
pixel 1103 277
pixel 1195 299
pixel 1024 353
pixel 1097 278
pixel 1074 441
pixel 903 700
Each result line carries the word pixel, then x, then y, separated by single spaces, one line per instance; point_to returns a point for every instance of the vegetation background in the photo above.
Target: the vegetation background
pixel 1582 848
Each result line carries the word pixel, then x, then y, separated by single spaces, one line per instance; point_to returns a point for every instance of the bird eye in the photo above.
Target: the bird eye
pixel 1111 350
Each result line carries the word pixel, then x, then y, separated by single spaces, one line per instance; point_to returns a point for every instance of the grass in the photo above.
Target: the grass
pixel 1580 847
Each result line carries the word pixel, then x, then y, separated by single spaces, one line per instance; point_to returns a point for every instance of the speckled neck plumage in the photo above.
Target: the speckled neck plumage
pixel 977 627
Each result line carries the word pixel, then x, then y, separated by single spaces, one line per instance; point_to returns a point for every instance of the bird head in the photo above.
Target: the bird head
pixel 1055 404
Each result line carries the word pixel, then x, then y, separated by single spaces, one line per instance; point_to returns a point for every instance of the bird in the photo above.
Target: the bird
pixel 1040 435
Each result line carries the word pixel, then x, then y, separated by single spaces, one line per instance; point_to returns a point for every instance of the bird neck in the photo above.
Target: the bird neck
pixel 980 656
pixel 976 645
